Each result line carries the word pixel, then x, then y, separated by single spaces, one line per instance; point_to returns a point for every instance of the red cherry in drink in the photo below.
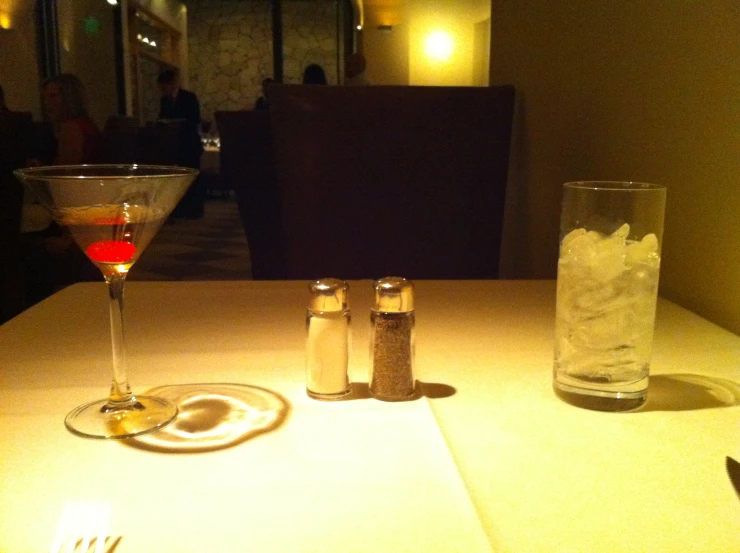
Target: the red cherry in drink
pixel 111 251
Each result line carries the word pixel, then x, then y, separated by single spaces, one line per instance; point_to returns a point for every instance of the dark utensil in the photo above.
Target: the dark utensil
pixel 733 470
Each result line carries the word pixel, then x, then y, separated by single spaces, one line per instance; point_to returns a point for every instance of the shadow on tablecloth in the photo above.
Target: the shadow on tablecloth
pixel 213 417
pixel 433 390
pixel 690 392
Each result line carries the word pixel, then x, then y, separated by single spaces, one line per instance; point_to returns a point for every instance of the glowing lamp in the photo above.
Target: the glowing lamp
pixel 439 46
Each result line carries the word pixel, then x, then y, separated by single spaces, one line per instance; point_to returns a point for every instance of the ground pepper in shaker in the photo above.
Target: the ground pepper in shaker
pixel 392 340
pixel 327 345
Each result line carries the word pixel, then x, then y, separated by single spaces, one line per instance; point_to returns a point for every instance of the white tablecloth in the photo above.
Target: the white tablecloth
pixel 498 461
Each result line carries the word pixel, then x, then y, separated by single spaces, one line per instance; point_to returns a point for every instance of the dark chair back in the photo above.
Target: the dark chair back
pixel 158 144
pixel 16 131
pixel 120 140
pixel 247 166
pixel 378 181
pixel 43 144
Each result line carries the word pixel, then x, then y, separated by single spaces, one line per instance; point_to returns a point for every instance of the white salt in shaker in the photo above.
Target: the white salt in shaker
pixel 327 345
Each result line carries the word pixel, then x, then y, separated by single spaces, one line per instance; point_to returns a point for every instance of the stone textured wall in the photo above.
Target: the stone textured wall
pixel 309 36
pixel 230 47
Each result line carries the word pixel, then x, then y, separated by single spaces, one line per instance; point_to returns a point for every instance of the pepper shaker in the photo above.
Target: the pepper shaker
pixel 392 341
pixel 327 346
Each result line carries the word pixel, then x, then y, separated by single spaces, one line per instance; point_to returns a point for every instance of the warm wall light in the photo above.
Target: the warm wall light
pixel 146 40
pixel 439 46
pixel 358 14
pixel 5 22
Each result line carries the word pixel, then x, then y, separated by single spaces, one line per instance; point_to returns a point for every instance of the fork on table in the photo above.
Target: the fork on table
pixel 83 528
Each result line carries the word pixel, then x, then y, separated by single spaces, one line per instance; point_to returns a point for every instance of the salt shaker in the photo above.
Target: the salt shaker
pixel 392 340
pixel 327 346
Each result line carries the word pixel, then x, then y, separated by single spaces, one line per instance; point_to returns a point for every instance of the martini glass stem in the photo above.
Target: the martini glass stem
pixel 120 393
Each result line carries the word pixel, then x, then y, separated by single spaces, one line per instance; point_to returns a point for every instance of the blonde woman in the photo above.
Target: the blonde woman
pixel 51 259
pixel 65 104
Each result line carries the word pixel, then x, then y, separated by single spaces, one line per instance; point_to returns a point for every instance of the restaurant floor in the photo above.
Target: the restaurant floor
pixel 211 248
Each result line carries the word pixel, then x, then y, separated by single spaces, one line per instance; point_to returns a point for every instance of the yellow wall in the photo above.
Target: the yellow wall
pixel 389 56
pixel 481 52
pixel 387 52
pixel 635 91
pixel 18 62
pixel 456 18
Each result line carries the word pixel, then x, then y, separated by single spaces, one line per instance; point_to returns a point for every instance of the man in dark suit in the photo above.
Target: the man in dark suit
pixel 182 106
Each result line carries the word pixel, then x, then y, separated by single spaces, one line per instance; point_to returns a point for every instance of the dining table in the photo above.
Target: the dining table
pixel 210 160
pixel 485 457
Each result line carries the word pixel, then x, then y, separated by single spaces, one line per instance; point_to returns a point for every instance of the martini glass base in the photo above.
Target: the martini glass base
pixel 106 421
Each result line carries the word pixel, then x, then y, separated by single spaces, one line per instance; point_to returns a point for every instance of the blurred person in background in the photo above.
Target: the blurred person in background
pixel 51 259
pixel 182 106
pixel 314 74
pixel 78 139
pixel 262 102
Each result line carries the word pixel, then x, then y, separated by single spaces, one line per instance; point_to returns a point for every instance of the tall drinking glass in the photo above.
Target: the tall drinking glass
pixel 610 240
pixel 112 212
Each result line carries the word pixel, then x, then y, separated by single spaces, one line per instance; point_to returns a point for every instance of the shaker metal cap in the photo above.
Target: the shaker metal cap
pixel 328 294
pixel 393 295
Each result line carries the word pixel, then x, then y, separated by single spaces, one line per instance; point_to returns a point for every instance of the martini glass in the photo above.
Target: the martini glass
pixel 112 212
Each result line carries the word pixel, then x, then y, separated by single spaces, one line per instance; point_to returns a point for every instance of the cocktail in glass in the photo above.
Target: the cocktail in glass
pixel 112 212
pixel 611 236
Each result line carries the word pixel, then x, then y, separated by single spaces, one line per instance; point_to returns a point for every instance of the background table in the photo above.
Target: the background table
pixel 499 461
